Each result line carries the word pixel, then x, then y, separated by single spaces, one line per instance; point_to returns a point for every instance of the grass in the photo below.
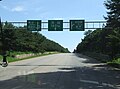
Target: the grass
pixel 13 59
pixel 13 53
pixel 115 63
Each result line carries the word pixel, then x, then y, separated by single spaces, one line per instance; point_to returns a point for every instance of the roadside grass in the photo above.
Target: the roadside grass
pixel 13 53
pixel 114 63
pixel 13 59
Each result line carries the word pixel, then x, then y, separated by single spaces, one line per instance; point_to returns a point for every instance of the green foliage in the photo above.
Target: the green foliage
pixel 8 25
pixel 0 58
pixel 107 40
pixel 26 41
pixel 11 58
pixel 113 17
pixel 88 32
pixel 115 63
pixel 91 42
pixel 49 45
pixel 101 41
pixel 97 56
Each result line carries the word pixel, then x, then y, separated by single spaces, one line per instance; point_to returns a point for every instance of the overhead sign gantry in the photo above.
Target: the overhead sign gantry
pixel 56 25
pixel 34 25
pixel 77 25
pixel 72 25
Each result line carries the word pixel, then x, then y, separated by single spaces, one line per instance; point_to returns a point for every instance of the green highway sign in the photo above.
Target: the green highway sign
pixel 77 25
pixel 55 25
pixel 34 25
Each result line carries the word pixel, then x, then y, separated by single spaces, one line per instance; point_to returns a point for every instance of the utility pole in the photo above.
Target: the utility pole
pixel 4 61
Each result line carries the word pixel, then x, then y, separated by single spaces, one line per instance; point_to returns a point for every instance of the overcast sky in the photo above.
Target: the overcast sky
pixel 23 10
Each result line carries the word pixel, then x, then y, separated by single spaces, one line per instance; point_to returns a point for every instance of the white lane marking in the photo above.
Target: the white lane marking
pixel 95 82
pixel 17 87
pixel 88 81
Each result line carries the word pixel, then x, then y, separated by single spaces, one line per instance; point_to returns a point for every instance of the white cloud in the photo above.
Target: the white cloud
pixel 13 9
pixel 17 9
pixel 4 7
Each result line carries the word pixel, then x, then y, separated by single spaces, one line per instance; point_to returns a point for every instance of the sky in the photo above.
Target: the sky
pixel 23 10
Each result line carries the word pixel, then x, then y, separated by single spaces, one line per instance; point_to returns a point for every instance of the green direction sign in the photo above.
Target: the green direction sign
pixel 34 25
pixel 55 25
pixel 77 25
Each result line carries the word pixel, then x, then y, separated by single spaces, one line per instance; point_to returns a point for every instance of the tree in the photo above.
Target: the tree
pixel 113 17
pixel 88 32
pixel 107 40
pixel 8 35
pixel 26 41
pixel 114 43
pixel 113 20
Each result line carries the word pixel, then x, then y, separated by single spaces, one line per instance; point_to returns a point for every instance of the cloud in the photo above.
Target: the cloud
pixel 4 7
pixel 13 9
pixel 17 9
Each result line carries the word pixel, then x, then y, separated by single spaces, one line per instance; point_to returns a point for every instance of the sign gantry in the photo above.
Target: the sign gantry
pixel 77 25
pixel 57 25
pixel 34 25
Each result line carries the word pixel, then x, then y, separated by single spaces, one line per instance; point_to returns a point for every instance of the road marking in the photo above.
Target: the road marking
pixel 17 87
pixel 98 83
pixel 88 81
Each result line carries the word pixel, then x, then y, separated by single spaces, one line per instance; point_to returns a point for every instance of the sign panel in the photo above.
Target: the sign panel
pixel 77 25
pixel 34 25
pixel 55 25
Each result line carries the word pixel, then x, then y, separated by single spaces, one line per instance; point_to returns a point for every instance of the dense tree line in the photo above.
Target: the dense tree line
pixel 106 40
pixel 27 41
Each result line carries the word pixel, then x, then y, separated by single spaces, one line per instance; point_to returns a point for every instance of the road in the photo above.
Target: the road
pixel 59 71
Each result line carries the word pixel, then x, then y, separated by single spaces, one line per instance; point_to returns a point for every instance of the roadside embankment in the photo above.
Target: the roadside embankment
pixel 100 57
pixel 104 58
pixel 22 56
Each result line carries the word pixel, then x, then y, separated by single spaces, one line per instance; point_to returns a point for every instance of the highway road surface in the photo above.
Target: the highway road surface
pixel 59 71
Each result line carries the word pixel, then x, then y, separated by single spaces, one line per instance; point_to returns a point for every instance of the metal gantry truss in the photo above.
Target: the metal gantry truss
pixel 66 25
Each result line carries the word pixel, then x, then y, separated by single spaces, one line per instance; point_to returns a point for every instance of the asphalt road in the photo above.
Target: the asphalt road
pixel 59 71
